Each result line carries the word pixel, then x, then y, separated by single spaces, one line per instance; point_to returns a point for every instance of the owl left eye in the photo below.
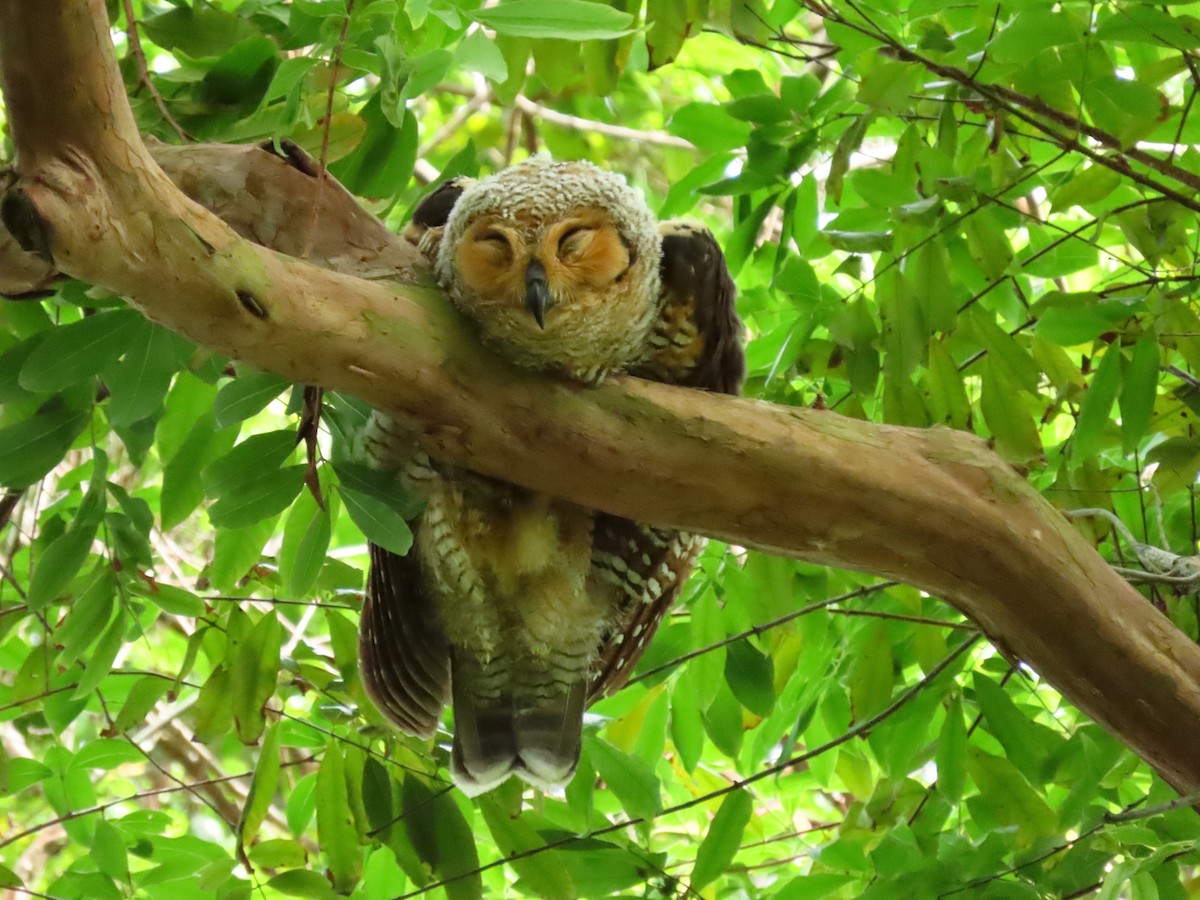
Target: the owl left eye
pixel 575 241
pixel 496 244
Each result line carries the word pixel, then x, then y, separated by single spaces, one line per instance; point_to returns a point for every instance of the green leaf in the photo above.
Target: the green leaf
pixel 1057 257
pixel 723 721
pixel 859 241
pixel 103 656
pixel 1005 353
pixel 541 873
pixel 107 753
pixel 246 395
pixel 238 469
pixel 1097 403
pixel 384 485
pixel 31 448
pixel 90 613
pixel 870 673
pixel 9 879
pixel 1032 32
pixel 278 853
pixel 253 676
pixel 948 402
pixel 572 20
pixel 335 823
pixel 1079 318
pixel 213 711
pixel 235 551
pixel 139 382
pixel 241 75
pixel 142 697
pixel 305 540
pixel 302 883
pixel 1026 744
pixel 933 287
pixel 379 522
pixel 630 779
pixel 266 496
pixel 183 487
pixel 262 788
pixel 1139 389
pixel 707 630
pixel 442 838
pixel 988 244
pixel 1090 186
pixel 199 31
pixel 72 353
pixel 479 53
pixel 170 599
pixel 1009 796
pixel 687 724
pixel 1009 419
pixel 951 756
pixel 724 837
pixel 751 677
pixel 888 85
pixel 302 804
pixel 108 852
pixel 383 161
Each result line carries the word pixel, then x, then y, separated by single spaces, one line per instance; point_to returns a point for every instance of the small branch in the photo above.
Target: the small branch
pixel 322 168
pixel 544 113
pixel 476 102
pixel 135 47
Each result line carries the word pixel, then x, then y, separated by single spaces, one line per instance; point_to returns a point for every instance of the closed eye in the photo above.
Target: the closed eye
pixel 575 240
pixel 494 237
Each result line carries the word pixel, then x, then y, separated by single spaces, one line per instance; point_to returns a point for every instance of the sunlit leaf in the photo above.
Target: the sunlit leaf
pixel 262 788
pixel 575 20
pixel 632 780
pixel 71 353
pixel 720 845
pixel 335 822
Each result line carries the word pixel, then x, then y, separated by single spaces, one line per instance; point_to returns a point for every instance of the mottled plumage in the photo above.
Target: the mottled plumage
pixel 516 607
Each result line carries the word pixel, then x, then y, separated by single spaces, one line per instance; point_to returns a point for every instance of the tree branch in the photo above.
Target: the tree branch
pixel 933 508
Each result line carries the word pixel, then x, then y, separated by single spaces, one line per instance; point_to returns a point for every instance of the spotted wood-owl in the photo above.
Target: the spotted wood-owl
pixel 519 608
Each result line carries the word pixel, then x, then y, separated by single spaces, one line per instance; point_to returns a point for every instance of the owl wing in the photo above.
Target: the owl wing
pixel 431 215
pixel 696 342
pixel 403 654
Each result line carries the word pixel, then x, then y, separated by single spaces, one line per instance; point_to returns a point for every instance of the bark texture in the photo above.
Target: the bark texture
pixel 933 508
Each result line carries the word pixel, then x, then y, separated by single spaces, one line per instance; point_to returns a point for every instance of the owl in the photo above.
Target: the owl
pixel 517 608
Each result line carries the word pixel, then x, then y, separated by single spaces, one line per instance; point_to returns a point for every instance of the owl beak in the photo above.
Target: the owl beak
pixel 537 292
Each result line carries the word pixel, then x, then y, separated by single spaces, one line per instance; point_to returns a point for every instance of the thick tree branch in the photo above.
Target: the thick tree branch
pixel 932 507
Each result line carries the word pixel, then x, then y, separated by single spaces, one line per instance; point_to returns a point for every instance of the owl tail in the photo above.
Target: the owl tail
pixel 499 732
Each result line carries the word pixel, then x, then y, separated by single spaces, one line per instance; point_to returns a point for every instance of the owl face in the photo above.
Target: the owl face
pixel 511 266
pixel 558 265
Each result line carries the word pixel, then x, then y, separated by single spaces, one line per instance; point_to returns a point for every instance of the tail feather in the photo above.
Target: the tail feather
pixel 484 752
pixel 548 737
pixel 496 735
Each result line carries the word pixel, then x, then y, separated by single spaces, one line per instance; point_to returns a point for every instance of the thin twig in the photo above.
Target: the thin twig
pixel 545 114
pixel 322 162
pixel 135 47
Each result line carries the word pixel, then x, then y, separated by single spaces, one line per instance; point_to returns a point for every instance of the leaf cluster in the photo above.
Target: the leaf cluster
pixel 982 217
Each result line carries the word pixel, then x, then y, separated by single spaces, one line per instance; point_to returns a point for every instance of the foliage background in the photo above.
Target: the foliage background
pixel 980 216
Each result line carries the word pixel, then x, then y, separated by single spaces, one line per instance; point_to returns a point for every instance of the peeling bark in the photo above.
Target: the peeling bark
pixel 934 508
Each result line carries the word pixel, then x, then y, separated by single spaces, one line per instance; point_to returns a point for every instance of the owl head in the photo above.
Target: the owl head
pixel 558 265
